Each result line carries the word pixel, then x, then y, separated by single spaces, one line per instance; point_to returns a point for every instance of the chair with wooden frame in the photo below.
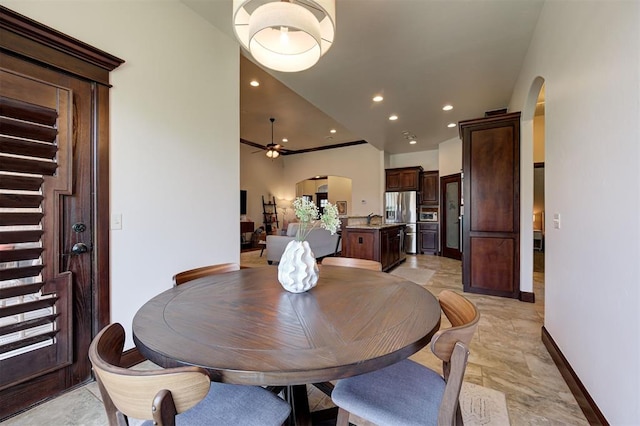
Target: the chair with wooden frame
pixel 183 395
pixel 350 262
pixel 193 274
pixel 409 393
pixel 353 263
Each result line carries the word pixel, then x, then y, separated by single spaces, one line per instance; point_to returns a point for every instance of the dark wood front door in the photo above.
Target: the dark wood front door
pixel 54 244
pixel 44 195
pixel 451 190
pixel 491 221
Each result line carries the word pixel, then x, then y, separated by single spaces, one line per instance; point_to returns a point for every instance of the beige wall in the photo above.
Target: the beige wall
pixel 174 174
pixel 588 54
pixel 450 157
pixel 363 164
pixel 538 139
pixel 340 189
pixel 260 177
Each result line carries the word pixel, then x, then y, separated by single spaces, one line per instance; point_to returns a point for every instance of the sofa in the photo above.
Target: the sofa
pixel 320 240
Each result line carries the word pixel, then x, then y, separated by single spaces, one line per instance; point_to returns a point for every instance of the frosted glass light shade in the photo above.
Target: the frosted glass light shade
pixel 272 153
pixel 285 36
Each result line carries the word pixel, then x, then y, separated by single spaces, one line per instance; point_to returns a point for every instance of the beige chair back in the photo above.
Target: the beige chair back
pixel 451 345
pixel 352 263
pixel 193 274
pixel 135 393
pixel 464 318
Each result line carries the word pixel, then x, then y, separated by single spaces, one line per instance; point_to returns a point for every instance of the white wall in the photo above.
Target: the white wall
pixel 174 115
pixel 427 159
pixel 588 55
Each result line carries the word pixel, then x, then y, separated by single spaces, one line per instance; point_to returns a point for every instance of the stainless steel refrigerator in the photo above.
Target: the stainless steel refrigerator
pixel 401 207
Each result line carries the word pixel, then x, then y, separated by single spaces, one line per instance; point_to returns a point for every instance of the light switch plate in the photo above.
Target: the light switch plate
pixel 116 221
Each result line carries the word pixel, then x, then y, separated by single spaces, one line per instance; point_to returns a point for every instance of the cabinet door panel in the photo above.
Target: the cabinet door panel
pixel 360 245
pixel 409 180
pixel 492 180
pixel 493 264
pixel 491 223
pixel 393 181
pixel 429 185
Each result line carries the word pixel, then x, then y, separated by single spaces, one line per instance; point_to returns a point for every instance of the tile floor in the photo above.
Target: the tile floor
pixel 506 354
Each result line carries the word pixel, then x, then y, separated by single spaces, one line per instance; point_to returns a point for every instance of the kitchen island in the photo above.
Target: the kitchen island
pixel 383 243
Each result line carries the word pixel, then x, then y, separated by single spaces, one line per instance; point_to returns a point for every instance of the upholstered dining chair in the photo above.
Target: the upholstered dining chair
pixel 408 393
pixel 182 396
pixel 192 274
pixel 353 263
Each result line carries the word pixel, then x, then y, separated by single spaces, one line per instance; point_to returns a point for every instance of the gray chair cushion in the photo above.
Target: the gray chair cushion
pixel 233 405
pixel 405 393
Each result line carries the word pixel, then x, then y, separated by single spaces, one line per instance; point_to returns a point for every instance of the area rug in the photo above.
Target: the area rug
pixel 253 259
pixel 419 276
pixel 483 406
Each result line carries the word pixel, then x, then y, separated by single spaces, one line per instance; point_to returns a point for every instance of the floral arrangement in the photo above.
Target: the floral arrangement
pixel 307 213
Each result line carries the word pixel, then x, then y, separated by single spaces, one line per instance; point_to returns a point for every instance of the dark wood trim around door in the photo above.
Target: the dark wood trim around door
pixel 444 250
pixel 45 51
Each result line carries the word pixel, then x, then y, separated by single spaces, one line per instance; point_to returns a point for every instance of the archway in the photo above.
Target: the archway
pixel 532 177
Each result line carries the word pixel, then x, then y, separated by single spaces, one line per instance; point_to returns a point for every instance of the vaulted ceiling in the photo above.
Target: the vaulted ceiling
pixel 418 54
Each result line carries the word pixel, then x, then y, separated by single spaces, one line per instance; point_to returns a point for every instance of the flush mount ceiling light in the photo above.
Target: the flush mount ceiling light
pixel 286 36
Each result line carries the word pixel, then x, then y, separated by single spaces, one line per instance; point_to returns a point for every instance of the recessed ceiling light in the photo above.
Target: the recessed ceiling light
pixel 393 117
pixel 447 108
pixel 285 140
pixel 451 125
pixel 377 98
pixel 332 130
pixel 254 83
pixel 413 142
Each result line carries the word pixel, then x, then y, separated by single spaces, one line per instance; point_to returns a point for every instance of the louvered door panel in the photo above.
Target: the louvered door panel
pixel 35 319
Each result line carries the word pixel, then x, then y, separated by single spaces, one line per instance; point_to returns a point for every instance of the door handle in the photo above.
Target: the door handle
pixel 77 249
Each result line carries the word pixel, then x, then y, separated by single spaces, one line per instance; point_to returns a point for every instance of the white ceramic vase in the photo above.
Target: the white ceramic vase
pixel 298 270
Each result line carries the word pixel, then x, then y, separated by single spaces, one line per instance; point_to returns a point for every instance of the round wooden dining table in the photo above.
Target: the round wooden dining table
pixel 244 328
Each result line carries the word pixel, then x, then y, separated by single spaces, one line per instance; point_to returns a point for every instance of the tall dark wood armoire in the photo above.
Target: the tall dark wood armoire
pixel 491 194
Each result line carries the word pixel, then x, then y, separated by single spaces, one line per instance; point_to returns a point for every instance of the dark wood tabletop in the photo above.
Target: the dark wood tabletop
pixel 244 328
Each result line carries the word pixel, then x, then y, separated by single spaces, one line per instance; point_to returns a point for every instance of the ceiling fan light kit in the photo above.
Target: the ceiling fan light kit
pixel 272 149
pixel 287 36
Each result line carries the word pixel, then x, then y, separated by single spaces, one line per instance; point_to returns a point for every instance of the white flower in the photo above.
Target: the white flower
pixel 307 213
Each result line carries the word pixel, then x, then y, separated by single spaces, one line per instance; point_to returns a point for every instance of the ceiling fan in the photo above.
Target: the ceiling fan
pixel 273 149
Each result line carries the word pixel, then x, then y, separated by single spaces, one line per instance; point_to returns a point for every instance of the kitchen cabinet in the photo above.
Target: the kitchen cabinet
pixel 429 188
pixel 491 225
pixel 380 243
pixel 403 179
pixel 428 238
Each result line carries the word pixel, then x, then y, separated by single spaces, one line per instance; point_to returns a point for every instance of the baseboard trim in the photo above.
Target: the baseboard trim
pixel 587 404
pixel 526 296
pixel 131 357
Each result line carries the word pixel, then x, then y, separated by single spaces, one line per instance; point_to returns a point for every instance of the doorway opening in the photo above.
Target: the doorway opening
pixel 538 193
